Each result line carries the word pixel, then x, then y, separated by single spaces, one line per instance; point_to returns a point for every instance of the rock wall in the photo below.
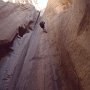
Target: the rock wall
pixel 76 36
pixel 13 15
pixel 73 23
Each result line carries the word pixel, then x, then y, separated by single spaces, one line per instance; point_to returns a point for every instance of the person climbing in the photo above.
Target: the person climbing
pixel 42 25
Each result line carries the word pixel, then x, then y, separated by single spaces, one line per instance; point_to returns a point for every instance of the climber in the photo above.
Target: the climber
pixel 42 25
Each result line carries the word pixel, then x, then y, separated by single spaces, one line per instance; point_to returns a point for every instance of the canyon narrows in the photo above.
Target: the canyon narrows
pixel 56 60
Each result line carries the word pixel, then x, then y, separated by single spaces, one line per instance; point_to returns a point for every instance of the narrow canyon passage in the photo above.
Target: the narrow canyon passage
pixel 36 69
pixel 56 60
pixel 32 65
pixel 37 63
pixel 39 73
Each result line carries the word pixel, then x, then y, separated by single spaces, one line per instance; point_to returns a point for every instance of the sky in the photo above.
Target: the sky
pixel 40 4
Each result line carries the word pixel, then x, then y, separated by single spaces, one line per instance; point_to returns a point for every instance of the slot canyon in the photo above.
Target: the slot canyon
pixel 54 56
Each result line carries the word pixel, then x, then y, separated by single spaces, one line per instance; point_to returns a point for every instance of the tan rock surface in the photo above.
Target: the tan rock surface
pixel 73 25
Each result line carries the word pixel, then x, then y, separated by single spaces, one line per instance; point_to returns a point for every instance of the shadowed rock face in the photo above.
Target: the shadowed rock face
pixel 73 24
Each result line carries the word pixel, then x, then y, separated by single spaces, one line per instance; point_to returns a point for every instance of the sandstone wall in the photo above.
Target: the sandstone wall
pixel 73 24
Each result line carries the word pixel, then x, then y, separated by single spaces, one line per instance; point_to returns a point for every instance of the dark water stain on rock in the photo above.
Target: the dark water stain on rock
pixel 85 21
